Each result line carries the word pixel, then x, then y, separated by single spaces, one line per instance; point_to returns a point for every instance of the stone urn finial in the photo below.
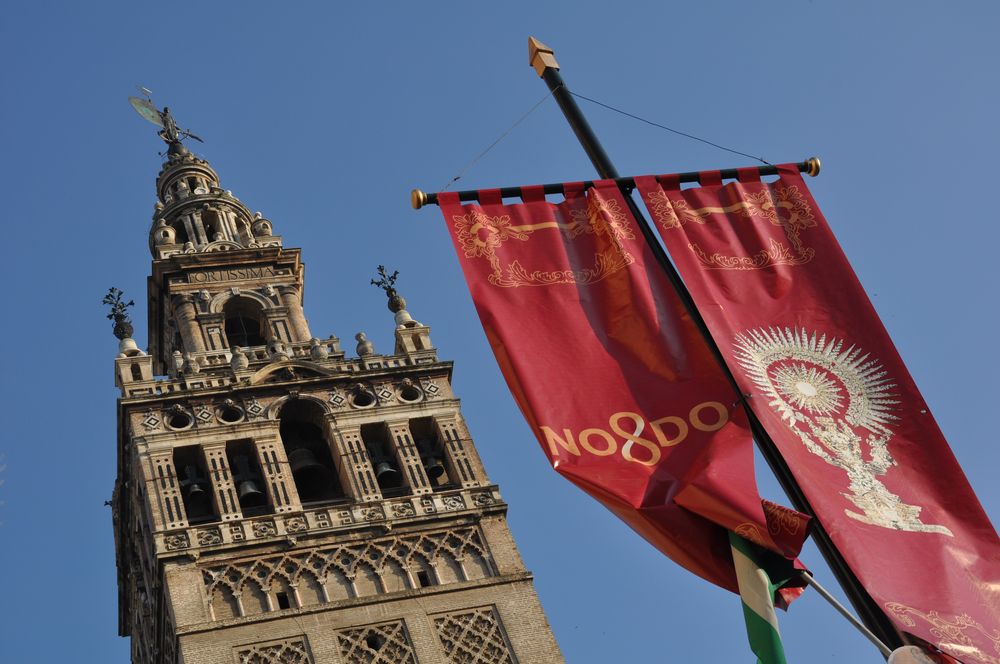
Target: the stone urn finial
pixel 119 313
pixel 364 347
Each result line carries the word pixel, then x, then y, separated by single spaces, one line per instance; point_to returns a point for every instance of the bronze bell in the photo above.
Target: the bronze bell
pixel 250 495
pixel 311 477
pixel 433 466
pixel 386 475
pixel 196 499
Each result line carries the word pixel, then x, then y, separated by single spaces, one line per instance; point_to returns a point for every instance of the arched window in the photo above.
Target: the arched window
pixel 212 222
pixel 180 231
pixel 136 371
pixel 244 322
pixel 308 452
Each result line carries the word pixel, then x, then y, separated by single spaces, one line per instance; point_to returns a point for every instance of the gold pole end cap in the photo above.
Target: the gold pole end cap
pixel 418 199
pixel 540 56
pixel 814 166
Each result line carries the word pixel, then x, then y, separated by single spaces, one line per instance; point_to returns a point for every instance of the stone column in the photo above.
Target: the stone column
pixel 186 316
pixel 464 465
pixel 222 481
pixel 277 475
pixel 297 318
pixel 199 228
pixel 167 509
pixel 409 458
pixel 353 464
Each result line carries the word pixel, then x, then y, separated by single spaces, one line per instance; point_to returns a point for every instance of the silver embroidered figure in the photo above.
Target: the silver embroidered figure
pixel 838 401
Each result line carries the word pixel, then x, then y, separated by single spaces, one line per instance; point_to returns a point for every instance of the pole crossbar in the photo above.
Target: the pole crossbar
pixel 419 198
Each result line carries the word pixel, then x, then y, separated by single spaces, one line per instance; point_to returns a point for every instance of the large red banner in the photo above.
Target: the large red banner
pixel 806 345
pixel 611 374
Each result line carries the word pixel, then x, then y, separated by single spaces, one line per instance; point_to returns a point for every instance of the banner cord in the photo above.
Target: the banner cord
pixel 675 131
pixel 465 169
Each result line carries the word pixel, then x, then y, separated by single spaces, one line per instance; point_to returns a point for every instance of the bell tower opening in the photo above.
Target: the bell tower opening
pixel 244 322
pixel 308 451
pixel 249 482
pixel 196 489
pixel 380 451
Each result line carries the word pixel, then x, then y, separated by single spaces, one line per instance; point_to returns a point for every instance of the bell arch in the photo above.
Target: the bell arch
pixel 303 433
pixel 244 322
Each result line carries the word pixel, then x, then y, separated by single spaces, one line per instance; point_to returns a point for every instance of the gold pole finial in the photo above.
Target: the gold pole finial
pixel 814 166
pixel 418 199
pixel 540 56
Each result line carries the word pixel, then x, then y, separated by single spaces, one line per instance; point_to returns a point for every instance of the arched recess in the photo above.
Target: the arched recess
pixel 301 426
pixel 394 577
pixel 337 585
pixel 448 569
pixel 476 565
pixel 254 598
pixel 310 589
pixel 224 603
pixel 245 323
pixel 366 580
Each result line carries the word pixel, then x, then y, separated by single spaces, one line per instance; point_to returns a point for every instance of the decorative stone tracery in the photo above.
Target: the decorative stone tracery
pixel 353 569
pixel 292 650
pixel 474 637
pixel 387 643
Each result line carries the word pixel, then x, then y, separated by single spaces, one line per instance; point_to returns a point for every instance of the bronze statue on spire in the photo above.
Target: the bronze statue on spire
pixel 170 132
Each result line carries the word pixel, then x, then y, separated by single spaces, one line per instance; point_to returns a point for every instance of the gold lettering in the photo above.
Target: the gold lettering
pixel 585 441
pixel 555 441
pixel 634 437
pixel 664 440
pixel 697 423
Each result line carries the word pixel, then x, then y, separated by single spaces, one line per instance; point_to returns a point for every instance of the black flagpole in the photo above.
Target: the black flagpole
pixel 542 58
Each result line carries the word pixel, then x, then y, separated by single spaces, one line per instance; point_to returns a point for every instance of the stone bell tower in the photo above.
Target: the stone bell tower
pixel 279 500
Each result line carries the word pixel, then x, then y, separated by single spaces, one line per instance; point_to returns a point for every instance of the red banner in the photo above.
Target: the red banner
pixel 611 374
pixel 805 343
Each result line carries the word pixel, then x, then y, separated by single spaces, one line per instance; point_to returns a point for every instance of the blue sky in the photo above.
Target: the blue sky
pixel 324 116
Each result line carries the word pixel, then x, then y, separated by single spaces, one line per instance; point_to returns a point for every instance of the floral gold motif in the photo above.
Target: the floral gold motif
pixel 480 235
pixel 781 519
pixel 952 632
pixel 779 205
pixel 839 402
pixel 751 532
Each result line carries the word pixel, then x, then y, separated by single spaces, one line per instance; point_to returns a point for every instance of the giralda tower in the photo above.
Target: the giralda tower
pixel 279 501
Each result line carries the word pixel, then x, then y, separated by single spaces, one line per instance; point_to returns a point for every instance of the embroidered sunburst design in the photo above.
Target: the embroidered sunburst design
pixel 809 388
pixel 839 401
pixel 869 390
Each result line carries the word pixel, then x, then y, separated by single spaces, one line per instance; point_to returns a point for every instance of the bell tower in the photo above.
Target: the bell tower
pixel 278 499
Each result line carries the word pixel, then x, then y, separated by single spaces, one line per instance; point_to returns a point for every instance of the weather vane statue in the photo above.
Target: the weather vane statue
pixel 170 132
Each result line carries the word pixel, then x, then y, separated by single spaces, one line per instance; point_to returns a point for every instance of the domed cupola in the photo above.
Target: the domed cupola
pixel 194 214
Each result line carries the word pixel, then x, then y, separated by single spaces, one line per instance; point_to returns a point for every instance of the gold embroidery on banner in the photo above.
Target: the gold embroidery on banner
pixel 781 518
pixel 481 235
pixel 839 402
pixel 751 532
pixel 780 205
pixel 951 632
